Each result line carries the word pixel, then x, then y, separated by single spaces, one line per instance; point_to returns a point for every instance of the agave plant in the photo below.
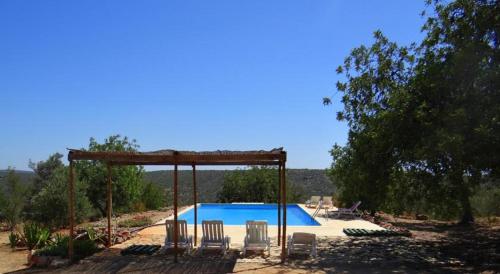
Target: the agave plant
pixel 35 236
pixel 95 236
pixel 13 239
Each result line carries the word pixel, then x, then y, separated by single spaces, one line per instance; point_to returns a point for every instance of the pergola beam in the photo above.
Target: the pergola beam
pixel 178 157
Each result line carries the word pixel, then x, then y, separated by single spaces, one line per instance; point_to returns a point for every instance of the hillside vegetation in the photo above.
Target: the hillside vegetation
pixel 209 182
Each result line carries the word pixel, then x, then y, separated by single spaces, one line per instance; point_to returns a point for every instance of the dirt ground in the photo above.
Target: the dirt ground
pixel 11 260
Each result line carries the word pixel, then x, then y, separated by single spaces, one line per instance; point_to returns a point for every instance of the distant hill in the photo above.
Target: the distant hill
pixel 209 182
pixel 26 176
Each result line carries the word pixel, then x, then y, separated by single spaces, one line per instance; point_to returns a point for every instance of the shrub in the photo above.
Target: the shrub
pixel 136 222
pixel 50 204
pixel 84 248
pixel 153 196
pixel 35 236
pixel 13 198
pixel 95 235
pixel 59 247
pixel 13 239
pixel 256 184
pixel 486 202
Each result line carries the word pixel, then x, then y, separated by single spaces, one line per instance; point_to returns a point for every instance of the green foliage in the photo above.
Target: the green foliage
pixel 13 239
pixel 486 201
pixel 49 205
pixel 127 180
pixel 44 170
pixel 136 222
pixel 13 199
pixel 210 183
pixel 257 184
pixel 95 235
pixel 85 248
pixel 35 236
pixel 423 121
pixel 59 247
pixel 153 196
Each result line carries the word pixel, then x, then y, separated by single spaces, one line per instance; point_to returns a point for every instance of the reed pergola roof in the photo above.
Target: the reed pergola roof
pixel 175 157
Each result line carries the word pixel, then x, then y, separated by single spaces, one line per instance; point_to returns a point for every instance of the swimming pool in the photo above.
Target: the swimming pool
pixel 238 214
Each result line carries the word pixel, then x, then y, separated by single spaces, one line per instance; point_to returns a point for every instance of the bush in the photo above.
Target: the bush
pixel 13 239
pixel 136 222
pixel 13 199
pixel 486 202
pixel 50 205
pixel 95 235
pixel 59 247
pixel 35 236
pixel 256 184
pixel 153 196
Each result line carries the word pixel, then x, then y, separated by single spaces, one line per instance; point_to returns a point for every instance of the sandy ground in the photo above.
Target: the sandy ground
pixel 10 260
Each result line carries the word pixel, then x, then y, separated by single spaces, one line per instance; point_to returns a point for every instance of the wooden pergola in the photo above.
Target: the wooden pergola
pixel 276 157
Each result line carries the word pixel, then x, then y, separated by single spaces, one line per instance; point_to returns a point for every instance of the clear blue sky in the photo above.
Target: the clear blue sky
pixel 196 75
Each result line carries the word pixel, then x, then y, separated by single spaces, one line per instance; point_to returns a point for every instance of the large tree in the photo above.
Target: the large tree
pixel 14 195
pixel 256 184
pixel 127 180
pixel 423 121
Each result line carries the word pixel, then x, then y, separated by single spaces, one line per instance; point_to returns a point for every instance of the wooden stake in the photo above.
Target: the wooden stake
pixel 176 228
pixel 195 207
pixel 71 203
pixel 109 206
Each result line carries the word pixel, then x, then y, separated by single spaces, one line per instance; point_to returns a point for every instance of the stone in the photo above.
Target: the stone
pixel 59 262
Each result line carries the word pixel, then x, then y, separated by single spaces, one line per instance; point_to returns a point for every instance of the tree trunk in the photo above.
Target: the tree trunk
pixel 467 217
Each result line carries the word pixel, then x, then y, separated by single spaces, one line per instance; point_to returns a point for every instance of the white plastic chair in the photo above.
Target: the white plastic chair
pixel 183 241
pixel 256 237
pixel 301 242
pixel 213 236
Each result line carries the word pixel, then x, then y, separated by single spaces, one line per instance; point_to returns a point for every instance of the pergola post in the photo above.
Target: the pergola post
pixel 109 205
pixel 71 208
pixel 283 236
pixel 176 228
pixel 279 205
pixel 195 207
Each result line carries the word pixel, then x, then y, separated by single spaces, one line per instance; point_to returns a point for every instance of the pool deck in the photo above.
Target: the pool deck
pixel 329 227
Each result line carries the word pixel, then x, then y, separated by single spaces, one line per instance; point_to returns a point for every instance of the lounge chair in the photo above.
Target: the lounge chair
pixel 352 211
pixel 257 237
pixel 183 241
pixel 327 202
pixel 301 242
pixel 213 236
pixel 313 202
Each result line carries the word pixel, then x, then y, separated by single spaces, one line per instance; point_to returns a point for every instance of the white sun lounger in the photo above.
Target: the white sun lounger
pixel 213 236
pixel 184 240
pixel 301 242
pixel 352 211
pixel 314 201
pixel 256 237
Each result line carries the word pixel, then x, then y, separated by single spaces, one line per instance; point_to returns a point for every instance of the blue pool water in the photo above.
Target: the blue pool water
pixel 238 214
